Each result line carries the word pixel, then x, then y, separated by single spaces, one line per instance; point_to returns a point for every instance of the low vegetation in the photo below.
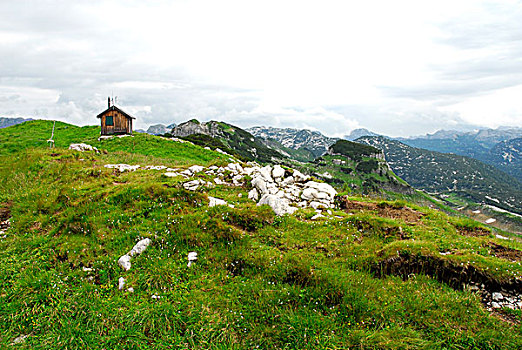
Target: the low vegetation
pixel 260 281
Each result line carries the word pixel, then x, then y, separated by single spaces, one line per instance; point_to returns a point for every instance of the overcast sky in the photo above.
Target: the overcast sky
pixel 396 67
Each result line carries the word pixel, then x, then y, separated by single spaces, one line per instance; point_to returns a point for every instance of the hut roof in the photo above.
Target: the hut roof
pixel 114 108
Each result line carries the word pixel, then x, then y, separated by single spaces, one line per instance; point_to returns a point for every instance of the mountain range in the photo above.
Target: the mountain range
pixel 447 174
pixel 6 122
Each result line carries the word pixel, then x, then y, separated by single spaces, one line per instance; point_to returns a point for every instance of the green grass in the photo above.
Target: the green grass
pixel 260 280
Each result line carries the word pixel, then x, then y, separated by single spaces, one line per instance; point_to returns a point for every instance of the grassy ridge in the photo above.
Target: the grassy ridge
pixel 260 280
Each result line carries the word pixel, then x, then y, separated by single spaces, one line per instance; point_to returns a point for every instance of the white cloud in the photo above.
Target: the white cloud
pixel 404 67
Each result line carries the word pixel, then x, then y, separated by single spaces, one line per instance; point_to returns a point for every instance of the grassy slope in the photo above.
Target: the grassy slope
pixel 259 281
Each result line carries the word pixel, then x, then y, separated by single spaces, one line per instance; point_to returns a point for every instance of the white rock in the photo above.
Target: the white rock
pixel 300 177
pixel 124 262
pixel 501 237
pixel 196 169
pixel 122 167
pixel 260 184
pixel 278 171
pixel 218 181
pixel 288 181
pixel 497 296
pixel 490 221
pixel 192 256
pixel 140 247
pixel 154 296
pixel 20 339
pixel 82 147
pixel 309 193
pixel 155 167
pixel 317 216
pixel 216 201
pixel 266 173
pixel 121 283
pixel 171 174
pixel 253 194
pixel 235 168
pixel 317 205
pixel 322 187
pixel 279 205
pixel 250 171
pixel 495 305
pixel 186 173
pixel 191 185
pixel 130 289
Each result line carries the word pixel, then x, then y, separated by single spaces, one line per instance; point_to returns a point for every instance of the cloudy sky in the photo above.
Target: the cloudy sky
pixel 396 67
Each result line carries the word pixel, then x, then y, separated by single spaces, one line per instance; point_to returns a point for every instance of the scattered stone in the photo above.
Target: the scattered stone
pixel 317 216
pixel 155 167
pixel 196 169
pixel 278 172
pixel 497 296
pixel 501 237
pixel 490 221
pixel 130 289
pixel 20 339
pixel 191 185
pixel 140 247
pixel 253 194
pixel 122 167
pixel 154 296
pixel 218 181
pixel 216 201
pixel 171 174
pixel 124 261
pixel 444 253
pixel 82 147
pixel 192 256
pixel 495 305
pixel 121 283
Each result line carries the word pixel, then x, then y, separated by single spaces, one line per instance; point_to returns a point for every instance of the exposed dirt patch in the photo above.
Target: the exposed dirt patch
pixel 504 252
pixel 473 232
pixel 5 211
pixel 5 214
pixel 456 276
pixel 404 213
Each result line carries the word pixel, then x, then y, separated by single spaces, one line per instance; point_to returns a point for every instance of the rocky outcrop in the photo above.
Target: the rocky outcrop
pixel 284 190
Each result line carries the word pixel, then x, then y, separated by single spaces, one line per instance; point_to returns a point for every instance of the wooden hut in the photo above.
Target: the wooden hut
pixel 114 121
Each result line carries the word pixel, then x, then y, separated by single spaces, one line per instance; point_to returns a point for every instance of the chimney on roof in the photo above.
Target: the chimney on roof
pixel 109 102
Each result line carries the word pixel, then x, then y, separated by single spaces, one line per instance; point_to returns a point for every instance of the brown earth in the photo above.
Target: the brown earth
pixel 504 252
pixel 473 232
pixel 384 210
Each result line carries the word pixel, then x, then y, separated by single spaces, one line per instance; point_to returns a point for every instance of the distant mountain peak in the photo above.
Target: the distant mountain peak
pixel 356 133
pixel 312 141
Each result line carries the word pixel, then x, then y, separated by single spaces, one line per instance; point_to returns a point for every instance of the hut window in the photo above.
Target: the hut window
pixel 109 121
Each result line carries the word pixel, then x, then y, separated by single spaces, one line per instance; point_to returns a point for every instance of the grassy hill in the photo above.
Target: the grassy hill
pixel 372 274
